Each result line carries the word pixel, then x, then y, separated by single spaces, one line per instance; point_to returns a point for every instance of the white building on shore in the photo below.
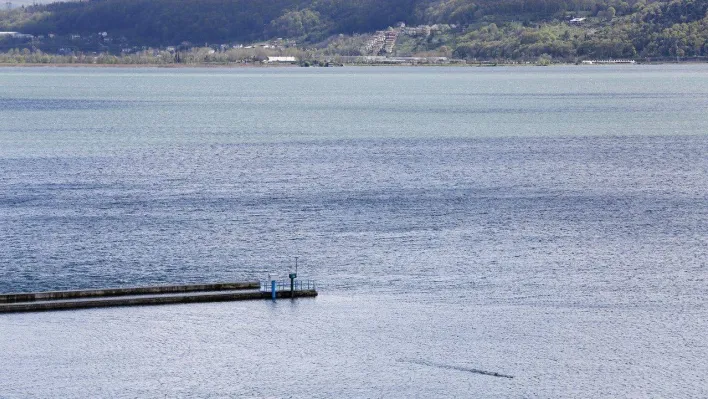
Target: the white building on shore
pixel 282 59
pixel 16 35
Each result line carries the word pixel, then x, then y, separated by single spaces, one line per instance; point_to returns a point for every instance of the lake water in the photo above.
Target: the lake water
pixel 549 224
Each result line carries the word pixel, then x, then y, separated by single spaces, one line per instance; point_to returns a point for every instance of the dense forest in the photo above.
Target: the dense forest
pixel 213 21
pixel 476 29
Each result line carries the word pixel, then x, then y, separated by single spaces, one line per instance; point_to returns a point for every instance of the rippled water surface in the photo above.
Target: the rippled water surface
pixel 545 224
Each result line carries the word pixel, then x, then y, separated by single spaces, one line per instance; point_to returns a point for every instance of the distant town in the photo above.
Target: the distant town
pixel 104 48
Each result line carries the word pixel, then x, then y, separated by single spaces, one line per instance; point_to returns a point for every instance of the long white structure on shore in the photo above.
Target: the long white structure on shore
pixel 590 62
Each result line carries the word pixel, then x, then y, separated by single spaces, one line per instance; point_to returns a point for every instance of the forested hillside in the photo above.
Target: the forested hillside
pixel 478 29
pixel 172 21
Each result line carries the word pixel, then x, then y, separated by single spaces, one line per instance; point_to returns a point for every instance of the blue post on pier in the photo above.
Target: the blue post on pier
pixel 272 289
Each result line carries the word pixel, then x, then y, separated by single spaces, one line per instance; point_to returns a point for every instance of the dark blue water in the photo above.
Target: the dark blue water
pixel 571 256
pixel 385 215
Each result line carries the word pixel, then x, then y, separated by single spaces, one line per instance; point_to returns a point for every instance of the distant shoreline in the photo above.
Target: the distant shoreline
pixel 84 65
pixel 253 65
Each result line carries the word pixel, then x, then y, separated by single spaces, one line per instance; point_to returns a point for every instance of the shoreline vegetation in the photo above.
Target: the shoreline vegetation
pixel 258 66
pixel 207 57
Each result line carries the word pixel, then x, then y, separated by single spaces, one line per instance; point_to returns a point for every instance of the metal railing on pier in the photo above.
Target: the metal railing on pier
pixel 284 285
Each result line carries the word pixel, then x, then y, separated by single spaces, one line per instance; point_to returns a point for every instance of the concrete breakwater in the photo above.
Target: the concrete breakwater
pixel 106 292
pixel 138 296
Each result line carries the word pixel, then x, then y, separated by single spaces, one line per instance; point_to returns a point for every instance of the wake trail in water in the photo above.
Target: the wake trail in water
pixel 451 367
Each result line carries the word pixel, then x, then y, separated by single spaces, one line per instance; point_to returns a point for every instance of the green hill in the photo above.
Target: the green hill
pixel 477 29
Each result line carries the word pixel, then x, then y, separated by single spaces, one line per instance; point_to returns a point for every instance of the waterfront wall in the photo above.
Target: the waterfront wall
pixel 113 292
pixel 37 306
